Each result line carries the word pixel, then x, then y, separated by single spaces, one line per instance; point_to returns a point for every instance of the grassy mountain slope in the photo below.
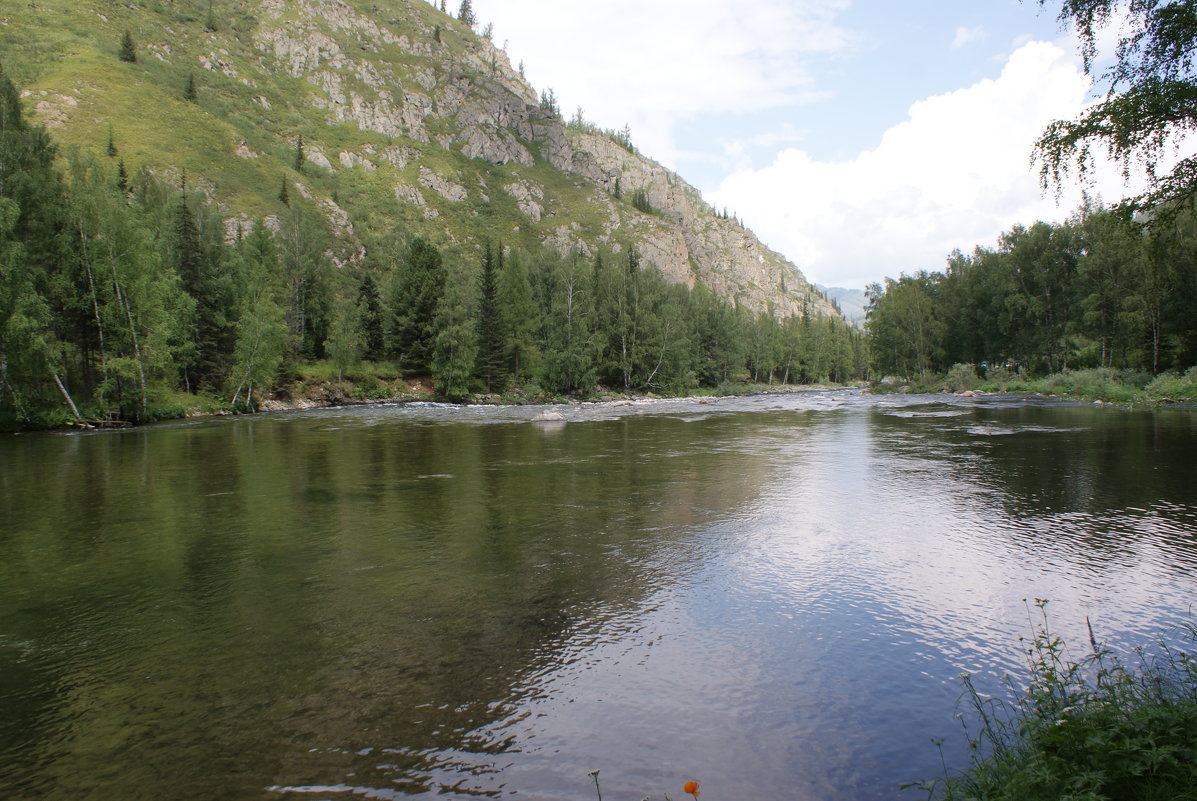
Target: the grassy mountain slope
pixel 408 121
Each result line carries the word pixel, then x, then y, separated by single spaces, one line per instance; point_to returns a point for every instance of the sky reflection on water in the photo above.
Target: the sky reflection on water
pixel 771 595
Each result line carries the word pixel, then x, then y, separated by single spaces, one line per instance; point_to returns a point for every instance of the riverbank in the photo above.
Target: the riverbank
pixel 1098 385
pixel 318 386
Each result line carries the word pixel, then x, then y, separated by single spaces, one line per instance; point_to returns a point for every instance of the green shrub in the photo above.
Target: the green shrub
pixel 1087 730
pixel 1098 383
pixel 1170 386
pixel 962 377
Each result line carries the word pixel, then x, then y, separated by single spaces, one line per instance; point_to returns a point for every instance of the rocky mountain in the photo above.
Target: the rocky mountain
pixel 384 114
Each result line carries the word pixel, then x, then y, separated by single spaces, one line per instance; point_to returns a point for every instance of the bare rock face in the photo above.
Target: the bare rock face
pixel 528 197
pixel 446 189
pixel 689 242
pixel 349 160
pixel 493 144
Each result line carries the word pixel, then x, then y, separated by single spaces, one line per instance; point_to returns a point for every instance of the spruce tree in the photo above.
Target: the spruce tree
pixel 197 260
pixel 412 306
pixel 466 14
pixel 369 305
pixel 189 93
pixel 111 149
pixel 490 334
pixel 283 195
pixel 520 316
pixel 300 156
pixel 210 23
pixel 122 177
pixel 128 49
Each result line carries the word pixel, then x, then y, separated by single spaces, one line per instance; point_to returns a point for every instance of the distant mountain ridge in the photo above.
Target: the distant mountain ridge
pixel 851 302
pixel 404 117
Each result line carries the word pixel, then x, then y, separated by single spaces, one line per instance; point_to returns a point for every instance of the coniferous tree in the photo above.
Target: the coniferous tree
pixel 436 33
pixel 412 305
pixel 122 177
pixel 283 195
pixel 490 334
pixel 204 279
pixel 466 13
pixel 210 21
pixel 300 156
pixel 520 317
pixel 369 304
pixel 189 93
pixel 111 149
pixel 128 48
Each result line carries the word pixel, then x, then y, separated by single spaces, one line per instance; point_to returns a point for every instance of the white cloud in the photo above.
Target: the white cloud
pixel 966 36
pixel 955 174
pixel 751 57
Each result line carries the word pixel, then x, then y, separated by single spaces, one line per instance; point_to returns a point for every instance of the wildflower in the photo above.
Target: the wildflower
pixel 691 788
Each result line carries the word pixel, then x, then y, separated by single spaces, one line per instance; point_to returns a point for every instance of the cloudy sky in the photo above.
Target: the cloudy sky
pixel 861 138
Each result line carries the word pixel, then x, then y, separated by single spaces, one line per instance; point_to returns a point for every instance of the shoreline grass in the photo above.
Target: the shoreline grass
pixel 1118 387
pixel 1094 729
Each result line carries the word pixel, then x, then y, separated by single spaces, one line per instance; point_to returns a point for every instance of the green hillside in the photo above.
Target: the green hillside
pixel 407 118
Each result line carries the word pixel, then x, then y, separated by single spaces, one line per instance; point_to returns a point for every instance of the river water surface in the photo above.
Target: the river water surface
pixel 773 596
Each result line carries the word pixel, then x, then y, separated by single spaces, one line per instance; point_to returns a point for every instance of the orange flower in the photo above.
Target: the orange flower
pixel 691 788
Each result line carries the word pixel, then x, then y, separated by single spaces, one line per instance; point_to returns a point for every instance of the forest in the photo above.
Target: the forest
pixel 123 297
pixel 1105 289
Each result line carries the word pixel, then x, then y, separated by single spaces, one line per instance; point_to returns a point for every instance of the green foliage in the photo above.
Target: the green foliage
pixel 417 285
pixel 128 52
pixel 346 338
pixel 567 308
pixel 1170 386
pixel 520 318
pixel 641 203
pixel 466 13
pixel 123 291
pixel 1091 729
pixel 303 243
pixel 456 346
pixel 622 137
pixel 189 92
pixel 490 321
pixel 261 329
pixel 1098 291
pixel 369 305
pixel 962 377
pixel 1149 104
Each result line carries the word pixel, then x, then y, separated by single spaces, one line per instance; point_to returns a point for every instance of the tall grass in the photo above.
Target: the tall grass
pixel 1095 729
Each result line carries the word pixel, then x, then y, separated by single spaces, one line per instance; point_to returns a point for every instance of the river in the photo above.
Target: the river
pixel 773 596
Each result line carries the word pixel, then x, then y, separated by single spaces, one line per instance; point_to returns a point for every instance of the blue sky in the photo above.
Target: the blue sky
pixel 860 138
